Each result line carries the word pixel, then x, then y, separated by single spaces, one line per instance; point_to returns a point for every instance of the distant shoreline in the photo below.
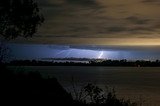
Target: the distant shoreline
pixel 82 62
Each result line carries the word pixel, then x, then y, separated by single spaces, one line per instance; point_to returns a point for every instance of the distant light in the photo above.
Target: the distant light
pixel 100 55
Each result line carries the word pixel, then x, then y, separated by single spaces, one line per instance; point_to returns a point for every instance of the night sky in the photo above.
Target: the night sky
pixel 112 29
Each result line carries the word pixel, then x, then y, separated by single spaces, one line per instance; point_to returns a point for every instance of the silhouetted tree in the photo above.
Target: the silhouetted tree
pixel 19 18
pixel 4 52
pixel 94 93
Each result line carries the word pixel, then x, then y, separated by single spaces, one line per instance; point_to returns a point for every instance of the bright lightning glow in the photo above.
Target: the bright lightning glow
pixel 68 53
pixel 101 54
pixel 59 53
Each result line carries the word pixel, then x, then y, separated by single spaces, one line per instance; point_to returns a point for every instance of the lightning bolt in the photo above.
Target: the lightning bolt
pixel 67 54
pixel 100 55
pixel 61 52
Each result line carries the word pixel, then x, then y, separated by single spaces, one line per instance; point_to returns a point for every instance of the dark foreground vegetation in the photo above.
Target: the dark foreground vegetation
pixel 19 88
pixel 89 62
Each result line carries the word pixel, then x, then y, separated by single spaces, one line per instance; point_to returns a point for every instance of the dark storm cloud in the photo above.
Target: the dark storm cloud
pixel 59 47
pixel 151 1
pixel 65 15
pixel 116 48
pixel 83 21
pixel 52 3
pixel 47 3
pixel 69 4
pixel 97 48
pixel 142 29
pixel 82 2
pixel 128 30
pixel 137 20
pixel 116 29
pixel 105 48
pixel 78 28
pixel 94 21
pixel 134 24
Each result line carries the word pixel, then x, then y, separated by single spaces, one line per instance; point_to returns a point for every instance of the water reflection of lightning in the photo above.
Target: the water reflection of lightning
pixel 101 54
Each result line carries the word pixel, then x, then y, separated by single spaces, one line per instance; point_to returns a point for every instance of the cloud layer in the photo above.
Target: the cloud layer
pixel 96 19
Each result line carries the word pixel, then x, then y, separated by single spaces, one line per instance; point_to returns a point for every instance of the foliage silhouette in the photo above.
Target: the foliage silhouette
pixel 4 52
pixel 19 18
pixel 95 96
pixel 125 63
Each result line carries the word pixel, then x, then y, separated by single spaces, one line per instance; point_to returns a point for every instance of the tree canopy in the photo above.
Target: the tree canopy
pixel 19 18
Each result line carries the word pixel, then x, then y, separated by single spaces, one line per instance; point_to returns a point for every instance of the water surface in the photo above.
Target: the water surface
pixel 137 83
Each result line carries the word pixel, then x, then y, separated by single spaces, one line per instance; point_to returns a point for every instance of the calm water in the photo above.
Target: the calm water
pixel 140 84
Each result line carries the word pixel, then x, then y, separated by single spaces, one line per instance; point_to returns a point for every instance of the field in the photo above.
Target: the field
pixel 140 84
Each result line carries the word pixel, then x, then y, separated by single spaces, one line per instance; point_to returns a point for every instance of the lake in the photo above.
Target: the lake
pixel 140 84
